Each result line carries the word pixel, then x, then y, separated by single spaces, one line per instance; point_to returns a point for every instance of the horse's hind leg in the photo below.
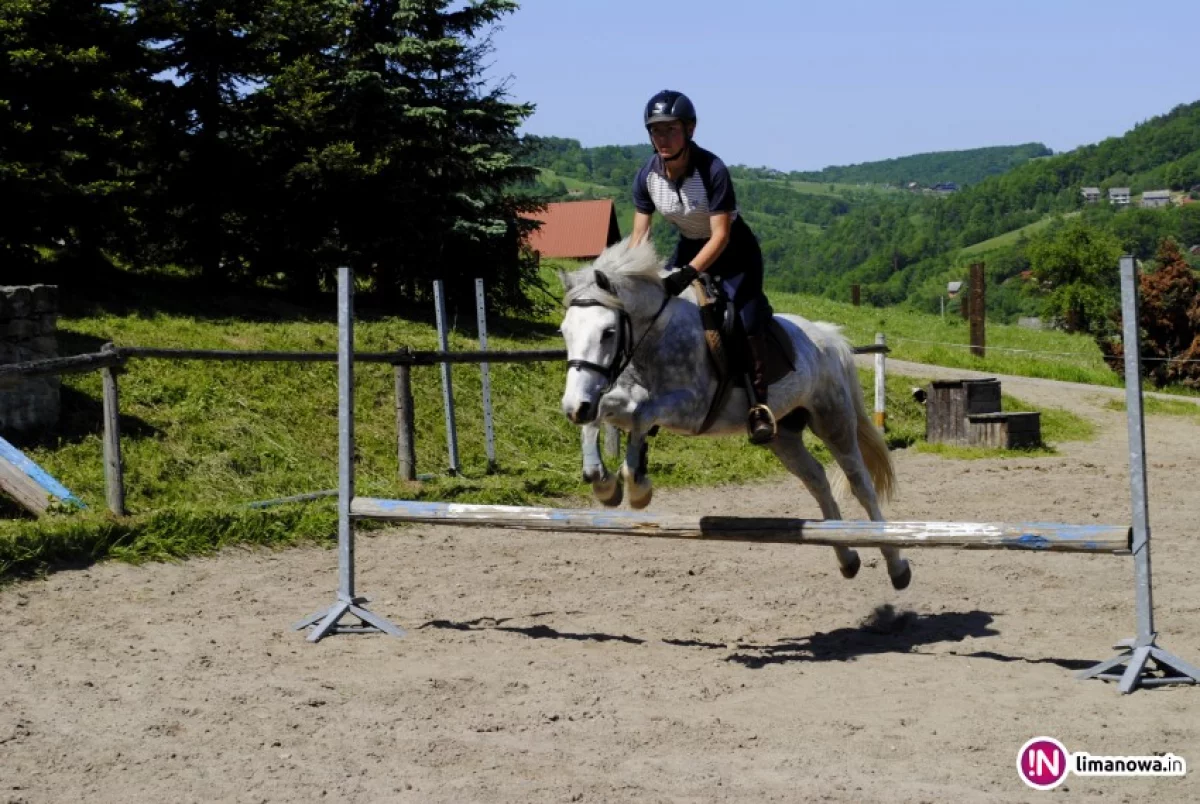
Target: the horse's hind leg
pixel 789 448
pixel 606 486
pixel 843 443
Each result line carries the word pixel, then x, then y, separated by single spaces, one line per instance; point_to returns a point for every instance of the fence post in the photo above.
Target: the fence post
pixel 406 450
pixel 439 296
pixel 855 295
pixel 489 433
pixel 880 382
pixel 114 474
pixel 978 310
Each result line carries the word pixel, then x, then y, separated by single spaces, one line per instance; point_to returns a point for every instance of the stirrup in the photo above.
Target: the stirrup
pixel 760 414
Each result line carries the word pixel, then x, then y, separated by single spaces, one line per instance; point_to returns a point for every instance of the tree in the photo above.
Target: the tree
pixel 1077 264
pixel 209 56
pixel 1169 321
pixel 430 152
pixel 72 76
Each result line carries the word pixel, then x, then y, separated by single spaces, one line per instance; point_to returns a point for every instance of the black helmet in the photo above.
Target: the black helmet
pixel 669 105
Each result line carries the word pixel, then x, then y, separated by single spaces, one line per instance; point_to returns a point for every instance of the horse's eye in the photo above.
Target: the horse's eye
pixel 608 333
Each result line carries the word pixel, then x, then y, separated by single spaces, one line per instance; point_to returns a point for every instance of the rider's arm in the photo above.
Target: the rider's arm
pixel 643 206
pixel 720 223
pixel 641 227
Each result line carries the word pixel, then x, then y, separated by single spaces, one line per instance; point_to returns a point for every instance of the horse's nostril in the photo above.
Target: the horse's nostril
pixel 581 412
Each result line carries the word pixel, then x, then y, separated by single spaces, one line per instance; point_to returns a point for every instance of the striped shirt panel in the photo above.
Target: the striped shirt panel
pixel 688 205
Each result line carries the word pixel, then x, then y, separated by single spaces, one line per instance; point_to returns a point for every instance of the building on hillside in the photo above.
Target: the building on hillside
pixel 945 187
pixel 575 229
pixel 1091 195
pixel 1194 250
pixel 1152 199
pixel 1119 196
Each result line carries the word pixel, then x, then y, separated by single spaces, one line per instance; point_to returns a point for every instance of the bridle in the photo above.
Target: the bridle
pixel 625 352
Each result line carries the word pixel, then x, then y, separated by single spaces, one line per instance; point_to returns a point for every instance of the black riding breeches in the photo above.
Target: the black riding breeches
pixel 740 271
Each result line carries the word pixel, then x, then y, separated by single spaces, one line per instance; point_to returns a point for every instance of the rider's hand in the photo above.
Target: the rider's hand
pixel 679 281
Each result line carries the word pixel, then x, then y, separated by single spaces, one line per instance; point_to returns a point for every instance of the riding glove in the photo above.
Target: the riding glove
pixel 679 281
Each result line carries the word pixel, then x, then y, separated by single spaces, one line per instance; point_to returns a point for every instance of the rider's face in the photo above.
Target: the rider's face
pixel 667 136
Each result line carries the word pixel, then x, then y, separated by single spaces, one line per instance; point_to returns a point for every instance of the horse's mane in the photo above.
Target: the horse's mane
pixel 625 267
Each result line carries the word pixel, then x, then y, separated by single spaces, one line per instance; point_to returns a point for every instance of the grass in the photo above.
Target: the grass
pixel 1152 406
pixel 924 338
pixel 1006 239
pixel 202 439
pixel 1058 425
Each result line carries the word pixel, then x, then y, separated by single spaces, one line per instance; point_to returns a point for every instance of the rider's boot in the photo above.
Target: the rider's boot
pixel 761 422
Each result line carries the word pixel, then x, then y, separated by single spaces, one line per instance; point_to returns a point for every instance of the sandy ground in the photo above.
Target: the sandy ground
pixel 584 668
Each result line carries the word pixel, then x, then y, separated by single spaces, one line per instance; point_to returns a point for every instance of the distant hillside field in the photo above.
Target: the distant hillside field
pixel 960 167
pixel 823 231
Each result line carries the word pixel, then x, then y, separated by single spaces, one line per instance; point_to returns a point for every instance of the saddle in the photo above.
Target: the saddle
pixel 727 350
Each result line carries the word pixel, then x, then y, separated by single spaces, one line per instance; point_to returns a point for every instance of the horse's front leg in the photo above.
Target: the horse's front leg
pixel 606 486
pixel 678 411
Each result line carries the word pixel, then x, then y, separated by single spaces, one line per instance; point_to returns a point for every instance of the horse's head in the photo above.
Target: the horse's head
pixel 603 301
pixel 597 331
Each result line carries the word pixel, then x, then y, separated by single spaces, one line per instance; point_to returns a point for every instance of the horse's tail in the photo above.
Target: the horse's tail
pixel 871 444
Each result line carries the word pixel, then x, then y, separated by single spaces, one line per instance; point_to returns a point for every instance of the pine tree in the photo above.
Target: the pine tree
pixel 71 77
pixel 435 151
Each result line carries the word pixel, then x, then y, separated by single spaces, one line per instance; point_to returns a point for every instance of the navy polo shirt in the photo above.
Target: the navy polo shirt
pixel 707 188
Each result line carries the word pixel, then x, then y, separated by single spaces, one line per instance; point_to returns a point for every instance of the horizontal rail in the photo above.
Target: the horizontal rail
pixel 62 365
pixel 295 498
pixel 1047 537
pixel 403 357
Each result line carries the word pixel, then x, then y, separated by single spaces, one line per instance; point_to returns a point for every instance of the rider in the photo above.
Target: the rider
pixel 692 189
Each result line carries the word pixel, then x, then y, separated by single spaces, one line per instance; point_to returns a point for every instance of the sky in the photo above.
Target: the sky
pixel 800 85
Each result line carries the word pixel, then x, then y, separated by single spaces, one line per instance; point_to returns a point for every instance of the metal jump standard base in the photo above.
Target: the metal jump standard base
pixel 330 620
pixel 1140 650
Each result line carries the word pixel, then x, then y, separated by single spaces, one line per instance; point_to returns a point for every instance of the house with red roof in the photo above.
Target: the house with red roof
pixel 575 229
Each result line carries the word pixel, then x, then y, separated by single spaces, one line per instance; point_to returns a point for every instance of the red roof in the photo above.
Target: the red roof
pixel 575 229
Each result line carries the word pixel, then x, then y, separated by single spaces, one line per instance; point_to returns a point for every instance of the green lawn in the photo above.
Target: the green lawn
pixel 200 439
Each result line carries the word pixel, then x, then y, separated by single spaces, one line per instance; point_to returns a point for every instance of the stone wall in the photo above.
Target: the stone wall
pixel 28 331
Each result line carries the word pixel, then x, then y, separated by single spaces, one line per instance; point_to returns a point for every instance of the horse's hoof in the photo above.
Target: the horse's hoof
pixel 640 502
pixel 609 493
pixel 902 580
pixel 851 569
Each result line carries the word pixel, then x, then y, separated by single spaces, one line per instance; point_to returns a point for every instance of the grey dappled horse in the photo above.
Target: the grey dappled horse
pixel 638 359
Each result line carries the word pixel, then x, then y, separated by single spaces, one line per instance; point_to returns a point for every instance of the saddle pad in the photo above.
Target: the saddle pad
pixel 729 356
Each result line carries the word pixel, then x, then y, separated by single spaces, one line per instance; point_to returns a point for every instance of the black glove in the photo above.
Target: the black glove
pixel 680 280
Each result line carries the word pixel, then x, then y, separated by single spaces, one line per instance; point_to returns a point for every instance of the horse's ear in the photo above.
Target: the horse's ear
pixel 603 282
pixel 564 279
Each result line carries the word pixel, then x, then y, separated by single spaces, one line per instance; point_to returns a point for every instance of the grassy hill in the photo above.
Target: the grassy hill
pixel 961 167
pixel 822 232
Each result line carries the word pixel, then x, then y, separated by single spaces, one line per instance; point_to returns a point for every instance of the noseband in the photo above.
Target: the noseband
pixel 625 349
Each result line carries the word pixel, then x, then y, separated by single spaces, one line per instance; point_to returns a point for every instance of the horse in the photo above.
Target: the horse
pixel 637 358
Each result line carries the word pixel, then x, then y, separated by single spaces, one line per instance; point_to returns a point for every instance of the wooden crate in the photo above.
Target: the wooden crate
pixel 1009 430
pixel 948 403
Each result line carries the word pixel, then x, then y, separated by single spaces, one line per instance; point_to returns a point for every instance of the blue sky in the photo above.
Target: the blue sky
pixel 800 85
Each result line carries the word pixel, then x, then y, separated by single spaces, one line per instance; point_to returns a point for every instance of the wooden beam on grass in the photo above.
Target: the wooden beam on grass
pixel 31 486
